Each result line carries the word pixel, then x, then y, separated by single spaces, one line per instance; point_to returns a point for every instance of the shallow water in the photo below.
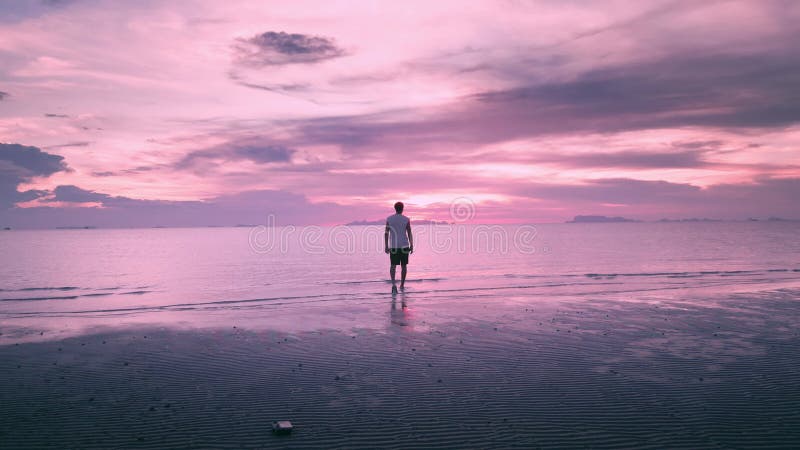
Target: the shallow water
pixel 167 275
pixel 674 335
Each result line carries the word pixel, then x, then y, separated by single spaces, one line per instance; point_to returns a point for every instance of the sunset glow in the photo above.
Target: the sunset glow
pixel 219 113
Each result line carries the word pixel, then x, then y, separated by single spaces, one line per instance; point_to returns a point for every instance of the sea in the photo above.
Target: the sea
pixel 148 275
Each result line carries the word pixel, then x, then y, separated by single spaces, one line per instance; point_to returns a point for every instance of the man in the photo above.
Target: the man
pixel 398 243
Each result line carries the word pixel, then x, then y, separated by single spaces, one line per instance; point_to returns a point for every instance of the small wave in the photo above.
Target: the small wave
pixel 637 274
pixel 186 306
pixel 65 297
pixel 134 293
pixel 28 289
pixel 58 297
pixel 722 273
pixel 415 280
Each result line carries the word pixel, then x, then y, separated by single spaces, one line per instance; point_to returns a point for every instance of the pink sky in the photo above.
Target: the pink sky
pixel 206 112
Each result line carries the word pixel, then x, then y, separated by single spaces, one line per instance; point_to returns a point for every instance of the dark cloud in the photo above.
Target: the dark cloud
pixel 729 90
pixel 75 194
pixel 59 116
pixel 132 171
pixel 277 87
pixel 69 193
pixel 288 90
pixel 71 144
pixel 682 159
pixel 712 144
pixel 20 163
pixel 262 153
pixel 251 149
pixel 277 48
pixel 628 159
pixel 717 91
pixel 3 95
pixel 28 161
pixel 13 11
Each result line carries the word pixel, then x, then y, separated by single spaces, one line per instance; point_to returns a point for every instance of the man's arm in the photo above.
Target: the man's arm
pixel 410 238
pixel 386 238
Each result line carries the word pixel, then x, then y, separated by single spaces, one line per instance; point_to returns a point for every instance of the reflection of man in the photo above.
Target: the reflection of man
pixel 399 317
pixel 398 243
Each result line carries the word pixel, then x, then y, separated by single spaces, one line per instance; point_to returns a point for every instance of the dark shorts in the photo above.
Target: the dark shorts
pixel 399 255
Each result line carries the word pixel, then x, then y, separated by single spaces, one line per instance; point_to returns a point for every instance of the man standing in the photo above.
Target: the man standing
pixel 398 243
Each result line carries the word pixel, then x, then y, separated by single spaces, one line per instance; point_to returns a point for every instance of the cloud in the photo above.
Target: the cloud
pixel 131 171
pixel 640 199
pixel 278 48
pixel 71 144
pixel 18 11
pixel 611 191
pixel 711 144
pixel 248 149
pixel 68 193
pixel 3 95
pixel 628 159
pixel 18 164
pixel 60 116
pixel 285 89
pixel 249 207
pixel 28 161
pixel 722 91
pixel 646 199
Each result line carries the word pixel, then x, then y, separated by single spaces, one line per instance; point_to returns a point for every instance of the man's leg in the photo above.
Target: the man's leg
pixel 402 276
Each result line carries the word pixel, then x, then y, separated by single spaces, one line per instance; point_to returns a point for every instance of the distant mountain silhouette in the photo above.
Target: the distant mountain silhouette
pixel 383 222
pixel 692 219
pixel 599 219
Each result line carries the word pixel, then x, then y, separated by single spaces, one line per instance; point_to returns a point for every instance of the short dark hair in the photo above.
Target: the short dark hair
pixel 398 207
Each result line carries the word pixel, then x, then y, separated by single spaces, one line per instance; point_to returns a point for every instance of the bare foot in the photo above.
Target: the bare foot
pixel 394 289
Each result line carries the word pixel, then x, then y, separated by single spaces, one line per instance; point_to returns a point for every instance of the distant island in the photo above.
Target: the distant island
pixel 693 219
pixel 383 222
pixel 87 227
pixel 617 219
pixel 600 219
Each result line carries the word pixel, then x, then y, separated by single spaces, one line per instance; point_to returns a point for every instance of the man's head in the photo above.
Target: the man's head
pixel 398 207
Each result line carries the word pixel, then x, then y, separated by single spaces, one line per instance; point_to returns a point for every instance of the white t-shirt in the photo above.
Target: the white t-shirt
pixel 397 224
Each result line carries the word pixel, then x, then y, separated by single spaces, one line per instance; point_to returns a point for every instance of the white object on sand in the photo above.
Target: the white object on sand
pixel 282 427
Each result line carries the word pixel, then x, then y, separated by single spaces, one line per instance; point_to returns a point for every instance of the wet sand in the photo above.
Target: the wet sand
pixel 601 372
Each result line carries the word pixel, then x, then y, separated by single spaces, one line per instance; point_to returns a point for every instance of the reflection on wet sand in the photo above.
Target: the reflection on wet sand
pixel 399 315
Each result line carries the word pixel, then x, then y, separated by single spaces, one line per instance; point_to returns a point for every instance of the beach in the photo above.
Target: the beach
pixel 602 374
pixel 601 361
